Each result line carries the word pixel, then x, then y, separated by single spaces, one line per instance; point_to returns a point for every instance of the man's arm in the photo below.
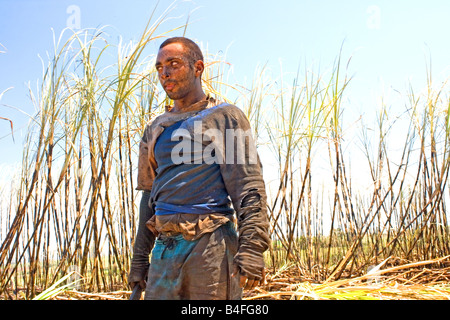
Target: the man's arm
pixel 145 239
pixel 243 179
pixel 143 245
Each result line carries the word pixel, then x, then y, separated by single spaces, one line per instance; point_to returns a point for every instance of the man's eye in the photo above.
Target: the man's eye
pixel 174 63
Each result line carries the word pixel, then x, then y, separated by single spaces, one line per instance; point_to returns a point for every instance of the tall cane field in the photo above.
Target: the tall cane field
pixel 344 195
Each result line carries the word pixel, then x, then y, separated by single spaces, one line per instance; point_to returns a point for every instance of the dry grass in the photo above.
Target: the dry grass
pixel 425 280
pixel 397 280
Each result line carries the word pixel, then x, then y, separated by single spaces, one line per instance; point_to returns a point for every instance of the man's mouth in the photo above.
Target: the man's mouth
pixel 169 86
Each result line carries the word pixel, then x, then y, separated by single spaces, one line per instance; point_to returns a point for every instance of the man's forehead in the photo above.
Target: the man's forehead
pixel 174 50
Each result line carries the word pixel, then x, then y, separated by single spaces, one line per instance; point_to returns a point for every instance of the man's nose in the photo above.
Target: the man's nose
pixel 165 72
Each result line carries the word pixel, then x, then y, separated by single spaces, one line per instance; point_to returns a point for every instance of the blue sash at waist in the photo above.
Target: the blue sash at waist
pixel 162 208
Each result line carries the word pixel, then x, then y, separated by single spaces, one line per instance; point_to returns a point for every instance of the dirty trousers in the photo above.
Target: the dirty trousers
pixel 194 270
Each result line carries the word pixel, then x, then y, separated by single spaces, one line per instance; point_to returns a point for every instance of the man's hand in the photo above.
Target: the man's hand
pixel 141 283
pixel 249 283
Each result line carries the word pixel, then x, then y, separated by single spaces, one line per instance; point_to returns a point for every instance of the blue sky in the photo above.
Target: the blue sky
pixel 389 41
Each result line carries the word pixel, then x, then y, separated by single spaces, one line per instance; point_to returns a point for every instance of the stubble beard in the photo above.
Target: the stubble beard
pixel 179 94
pixel 183 88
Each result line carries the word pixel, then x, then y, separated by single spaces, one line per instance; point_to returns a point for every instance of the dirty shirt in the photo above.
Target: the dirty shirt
pixel 192 205
pixel 184 182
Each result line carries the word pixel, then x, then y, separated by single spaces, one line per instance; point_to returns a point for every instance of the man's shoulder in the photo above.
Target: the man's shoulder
pixel 225 109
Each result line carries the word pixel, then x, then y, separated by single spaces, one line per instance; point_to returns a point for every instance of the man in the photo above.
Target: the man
pixel 194 190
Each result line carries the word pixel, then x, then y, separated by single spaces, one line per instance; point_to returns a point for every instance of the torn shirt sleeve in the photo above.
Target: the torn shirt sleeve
pixel 245 185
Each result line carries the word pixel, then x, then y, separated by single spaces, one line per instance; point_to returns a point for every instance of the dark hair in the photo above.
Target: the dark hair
pixel 193 52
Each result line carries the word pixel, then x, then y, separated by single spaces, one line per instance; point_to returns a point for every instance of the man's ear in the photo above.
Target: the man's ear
pixel 199 67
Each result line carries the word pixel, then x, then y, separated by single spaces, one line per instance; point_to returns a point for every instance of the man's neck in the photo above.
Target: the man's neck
pixel 182 105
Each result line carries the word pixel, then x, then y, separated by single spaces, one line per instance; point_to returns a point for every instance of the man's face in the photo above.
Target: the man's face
pixel 175 73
